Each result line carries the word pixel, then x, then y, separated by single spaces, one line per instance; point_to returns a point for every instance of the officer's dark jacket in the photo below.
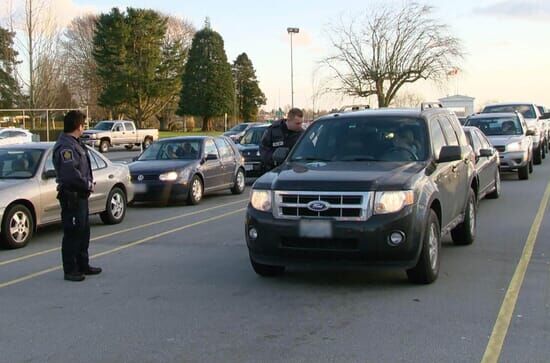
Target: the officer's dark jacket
pixel 276 136
pixel 72 165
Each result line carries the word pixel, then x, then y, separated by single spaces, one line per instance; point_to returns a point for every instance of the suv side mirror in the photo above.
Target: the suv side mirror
pixel 280 155
pixel 48 174
pixel 211 157
pixel 486 153
pixel 530 133
pixel 450 153
pixel 545 116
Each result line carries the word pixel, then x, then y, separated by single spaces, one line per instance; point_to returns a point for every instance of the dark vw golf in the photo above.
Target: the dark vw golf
pixel 366 188
pixel 186 168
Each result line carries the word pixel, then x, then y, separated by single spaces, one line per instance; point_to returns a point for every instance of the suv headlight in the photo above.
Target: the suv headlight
pixel 391 202
pixel 261 200
pixel 515 146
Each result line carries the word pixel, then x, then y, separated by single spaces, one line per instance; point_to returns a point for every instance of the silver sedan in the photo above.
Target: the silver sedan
pixel 28 191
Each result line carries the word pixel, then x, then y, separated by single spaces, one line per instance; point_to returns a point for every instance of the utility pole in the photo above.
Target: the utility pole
pixel 292 31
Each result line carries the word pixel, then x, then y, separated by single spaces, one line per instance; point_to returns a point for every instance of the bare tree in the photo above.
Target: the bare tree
pixel 388 47
pixel 407 99
pixel 80 71
pixel 179 31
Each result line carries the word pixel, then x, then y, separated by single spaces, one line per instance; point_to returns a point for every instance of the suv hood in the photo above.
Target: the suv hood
pixel 503 140
pixel 338 176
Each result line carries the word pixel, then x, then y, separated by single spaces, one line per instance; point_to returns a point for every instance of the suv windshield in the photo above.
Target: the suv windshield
pixel 104 126
pixel 497 125
pixel 172 150
pixel 239 128
pixel 19 163
pixel 390 138
pixel 526 110
pixel 253 136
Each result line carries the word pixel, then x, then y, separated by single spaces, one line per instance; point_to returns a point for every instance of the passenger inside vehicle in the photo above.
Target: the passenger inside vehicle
pixel 509 128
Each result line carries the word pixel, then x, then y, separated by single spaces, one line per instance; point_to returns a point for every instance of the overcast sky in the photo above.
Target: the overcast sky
pixel 507 42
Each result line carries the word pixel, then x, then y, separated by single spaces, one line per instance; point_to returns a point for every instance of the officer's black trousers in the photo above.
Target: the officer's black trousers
pixel 76 232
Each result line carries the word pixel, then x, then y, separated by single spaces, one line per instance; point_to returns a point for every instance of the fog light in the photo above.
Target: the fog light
pixel 396 238
pixel 252 233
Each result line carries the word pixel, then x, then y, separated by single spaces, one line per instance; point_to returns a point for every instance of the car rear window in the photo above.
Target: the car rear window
pixel 390 138
pixel 528 111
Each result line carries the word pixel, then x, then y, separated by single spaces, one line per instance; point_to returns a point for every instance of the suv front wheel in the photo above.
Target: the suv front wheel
pixel 465 232
pixel 427 268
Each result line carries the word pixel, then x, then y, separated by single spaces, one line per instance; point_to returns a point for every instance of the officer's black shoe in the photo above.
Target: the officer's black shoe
pixel 92 270
pixel 75 276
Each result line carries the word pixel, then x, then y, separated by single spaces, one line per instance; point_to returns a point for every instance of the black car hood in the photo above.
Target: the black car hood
pixel 342 176
pixel 159 166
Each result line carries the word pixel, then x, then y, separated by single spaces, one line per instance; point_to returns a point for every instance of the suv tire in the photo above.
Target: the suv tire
pixel 266 270
pixel 496 192
pixel 465 232
pixel 523 172
pixel 427 267
pixel 537 158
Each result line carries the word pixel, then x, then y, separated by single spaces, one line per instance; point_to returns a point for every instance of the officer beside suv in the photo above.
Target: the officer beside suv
pixel 373 187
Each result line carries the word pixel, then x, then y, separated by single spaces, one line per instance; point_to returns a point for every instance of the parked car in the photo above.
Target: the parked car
pixel 238 131
pixel 28 191
pixel 532 117
pixel 510 135
pixel 13 135
pixel 249 146
pixel 376 187
pixel 186 168
pixel 111 133
pixel 487 174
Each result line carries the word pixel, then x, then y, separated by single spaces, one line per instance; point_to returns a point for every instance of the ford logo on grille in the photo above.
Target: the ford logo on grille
pixel 140 177
pixel 318 206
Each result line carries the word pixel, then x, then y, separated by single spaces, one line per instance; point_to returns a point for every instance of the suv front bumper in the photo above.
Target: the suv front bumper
pixel 354 243
pixel 510 161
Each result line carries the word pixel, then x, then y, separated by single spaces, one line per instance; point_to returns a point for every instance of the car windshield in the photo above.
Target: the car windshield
pixel 104 126
pixel 497 125
pixel 19 163
pixel 172 150
pixel 526 110
pixel 239 128
pixel 390 138
pixel 253 136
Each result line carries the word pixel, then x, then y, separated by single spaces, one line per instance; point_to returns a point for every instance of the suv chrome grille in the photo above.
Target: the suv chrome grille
pixel 350 206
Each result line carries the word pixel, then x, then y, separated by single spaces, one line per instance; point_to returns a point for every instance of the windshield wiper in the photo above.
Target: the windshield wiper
pixel 364 158
pixel 310 160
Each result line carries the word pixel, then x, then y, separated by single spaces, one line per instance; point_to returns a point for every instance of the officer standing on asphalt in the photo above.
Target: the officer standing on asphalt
pixel 74 186
pixel 282 133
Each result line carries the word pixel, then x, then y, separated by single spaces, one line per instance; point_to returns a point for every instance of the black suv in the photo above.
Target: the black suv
pixel 373 187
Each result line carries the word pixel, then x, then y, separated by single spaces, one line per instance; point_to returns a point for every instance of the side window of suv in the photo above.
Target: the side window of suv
pixel 455 123
pixel 450 134
pixel 438 139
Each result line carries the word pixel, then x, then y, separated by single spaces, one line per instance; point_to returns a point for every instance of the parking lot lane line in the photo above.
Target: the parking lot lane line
pixel 123 247
pixel 103 236
pixel 500 329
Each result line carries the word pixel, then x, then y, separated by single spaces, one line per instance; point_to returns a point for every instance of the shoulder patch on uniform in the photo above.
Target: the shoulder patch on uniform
pixel 67 154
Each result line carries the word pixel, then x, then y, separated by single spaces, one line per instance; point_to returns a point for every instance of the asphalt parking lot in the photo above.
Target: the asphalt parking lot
pixel 177 287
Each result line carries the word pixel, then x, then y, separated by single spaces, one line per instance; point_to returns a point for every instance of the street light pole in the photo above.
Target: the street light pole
pixel 292 31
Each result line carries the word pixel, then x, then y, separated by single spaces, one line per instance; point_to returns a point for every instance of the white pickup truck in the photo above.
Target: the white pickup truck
pixel 110 133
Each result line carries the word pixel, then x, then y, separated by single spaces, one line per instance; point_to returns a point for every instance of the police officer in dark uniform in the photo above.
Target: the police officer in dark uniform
pixel 74 186
pixel 282 133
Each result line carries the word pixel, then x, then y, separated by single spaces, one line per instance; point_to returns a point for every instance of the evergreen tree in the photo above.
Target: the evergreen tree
pixel 141 72
pixel 249 95
pixel 207 89
pixel 9 88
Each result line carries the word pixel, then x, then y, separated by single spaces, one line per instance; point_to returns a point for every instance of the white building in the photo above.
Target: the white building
pixel 461 105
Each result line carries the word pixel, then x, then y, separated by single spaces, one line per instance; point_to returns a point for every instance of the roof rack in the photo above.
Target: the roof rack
pixel 426 105
pixel 351 108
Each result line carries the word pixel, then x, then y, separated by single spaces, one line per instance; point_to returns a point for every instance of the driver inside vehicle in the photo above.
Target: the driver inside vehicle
pixel 404 140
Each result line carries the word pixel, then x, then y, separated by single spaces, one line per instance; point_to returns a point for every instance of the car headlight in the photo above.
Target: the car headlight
pixel 170 176
pixel 391 202
pixel 93 136
pixel 261 200
pixel 514 146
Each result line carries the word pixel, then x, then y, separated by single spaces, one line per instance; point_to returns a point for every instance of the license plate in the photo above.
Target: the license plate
pixel 315 229
pixel 248 167
pixel 140 188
